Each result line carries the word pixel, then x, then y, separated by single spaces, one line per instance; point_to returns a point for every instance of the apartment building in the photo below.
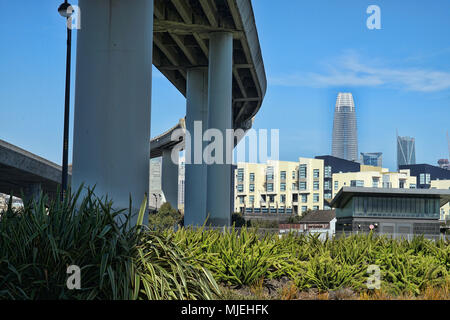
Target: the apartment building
pixel 442 184
pixel 374 177
pixel 279 187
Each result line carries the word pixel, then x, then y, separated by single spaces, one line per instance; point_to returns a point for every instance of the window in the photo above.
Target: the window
pixel 302 171
pixel 283 198
pixel 251 199
pixel 304 209
pixel 252 187
pixel 241 200
pixel 336 185
pixel 294 187
pixel 304 198
pixel 269 173
pixel 316 173
pixel 302 185
pixel 328 172
pixel 422 178
pixel 402 184
pixel 283 175
pixel 316 197
pixel 240 175
pixel 327 195
pixel 412 186
pixel 316 185
pixel 427 178
pixel 327 185
pixel 270 187
pixel 271 199
pixel 316 208
pixel 375 182
pixel 240 188
pixel 357 183
pixel 283 186
pixel 293 175
pixel 252 177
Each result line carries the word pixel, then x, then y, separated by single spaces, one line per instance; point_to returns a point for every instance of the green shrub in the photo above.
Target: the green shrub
pixel 246 257
pixel 166 217
pixel 238 220
pixel 117 261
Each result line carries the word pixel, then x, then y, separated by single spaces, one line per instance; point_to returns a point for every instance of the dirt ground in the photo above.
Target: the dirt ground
pixel 284 289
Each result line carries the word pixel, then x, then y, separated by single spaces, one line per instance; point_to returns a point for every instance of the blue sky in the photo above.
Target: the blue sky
pixel 399 75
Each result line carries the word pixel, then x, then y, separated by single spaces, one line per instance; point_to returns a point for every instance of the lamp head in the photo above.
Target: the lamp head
pixel 64 10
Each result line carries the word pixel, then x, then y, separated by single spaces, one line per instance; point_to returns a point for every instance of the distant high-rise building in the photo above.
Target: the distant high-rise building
pixel 372 159
pixel 406 151
pixel 345 137
pixel 444 164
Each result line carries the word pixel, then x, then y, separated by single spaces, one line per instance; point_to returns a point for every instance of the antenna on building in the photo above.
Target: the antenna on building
pixel 448 141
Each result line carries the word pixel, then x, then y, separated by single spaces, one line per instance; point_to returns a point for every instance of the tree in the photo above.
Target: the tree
pixel 166 217
pixel 238 220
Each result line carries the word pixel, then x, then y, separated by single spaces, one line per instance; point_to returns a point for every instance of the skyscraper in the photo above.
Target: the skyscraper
pixel 406 151
pixel 345 136
pixel 372 159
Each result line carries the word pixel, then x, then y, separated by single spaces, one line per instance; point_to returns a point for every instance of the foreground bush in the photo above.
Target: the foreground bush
pixel 247 257
pixel 37 244
pixel 117 261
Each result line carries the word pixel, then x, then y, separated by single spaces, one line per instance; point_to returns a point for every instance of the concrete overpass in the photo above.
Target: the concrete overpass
pixel 208 49
pixel 24 173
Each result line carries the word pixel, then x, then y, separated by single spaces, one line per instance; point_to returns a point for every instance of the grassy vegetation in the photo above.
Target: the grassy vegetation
pixel 118 261
pixel 247 258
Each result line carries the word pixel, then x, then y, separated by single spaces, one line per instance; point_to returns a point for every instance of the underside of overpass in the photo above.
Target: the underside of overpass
pixel 208 49
pixel 181 41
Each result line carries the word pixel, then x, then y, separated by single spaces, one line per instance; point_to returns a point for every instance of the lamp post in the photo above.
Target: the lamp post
pixel 64 11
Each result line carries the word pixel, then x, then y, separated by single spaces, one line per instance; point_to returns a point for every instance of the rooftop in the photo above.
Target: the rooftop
pixel 318 216
pixel 346 193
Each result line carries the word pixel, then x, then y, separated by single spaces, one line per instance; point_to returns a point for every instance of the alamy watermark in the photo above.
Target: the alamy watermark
pixel 214 146
pixel 73 13
pixel 374 280
pixel 74 280
pixel 374 20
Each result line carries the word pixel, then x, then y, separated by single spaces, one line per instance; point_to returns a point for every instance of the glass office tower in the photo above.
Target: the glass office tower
pixel 345 138
pixel 406 151
pixel 372 159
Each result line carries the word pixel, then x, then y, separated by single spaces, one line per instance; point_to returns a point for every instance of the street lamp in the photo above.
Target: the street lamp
pixel 65 11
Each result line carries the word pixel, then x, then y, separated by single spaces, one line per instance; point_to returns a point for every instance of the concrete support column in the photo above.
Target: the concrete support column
pixel 220 117
pixel 196 169
pixel 33 192
pixel 113 99
pixel 169 179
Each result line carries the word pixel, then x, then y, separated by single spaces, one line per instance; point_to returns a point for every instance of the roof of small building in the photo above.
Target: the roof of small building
pixel 346 193
pixel 318 216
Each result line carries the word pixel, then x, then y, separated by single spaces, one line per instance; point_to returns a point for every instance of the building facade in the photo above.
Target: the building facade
pixel 406 151
pixel 442 185
pixel 156 194
pixel 334 165
pixel 4 202
pixel 345 135
pixel 279 187
pixel 425 173
pixel 396 212
pixel 374 177
pixel 372 159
